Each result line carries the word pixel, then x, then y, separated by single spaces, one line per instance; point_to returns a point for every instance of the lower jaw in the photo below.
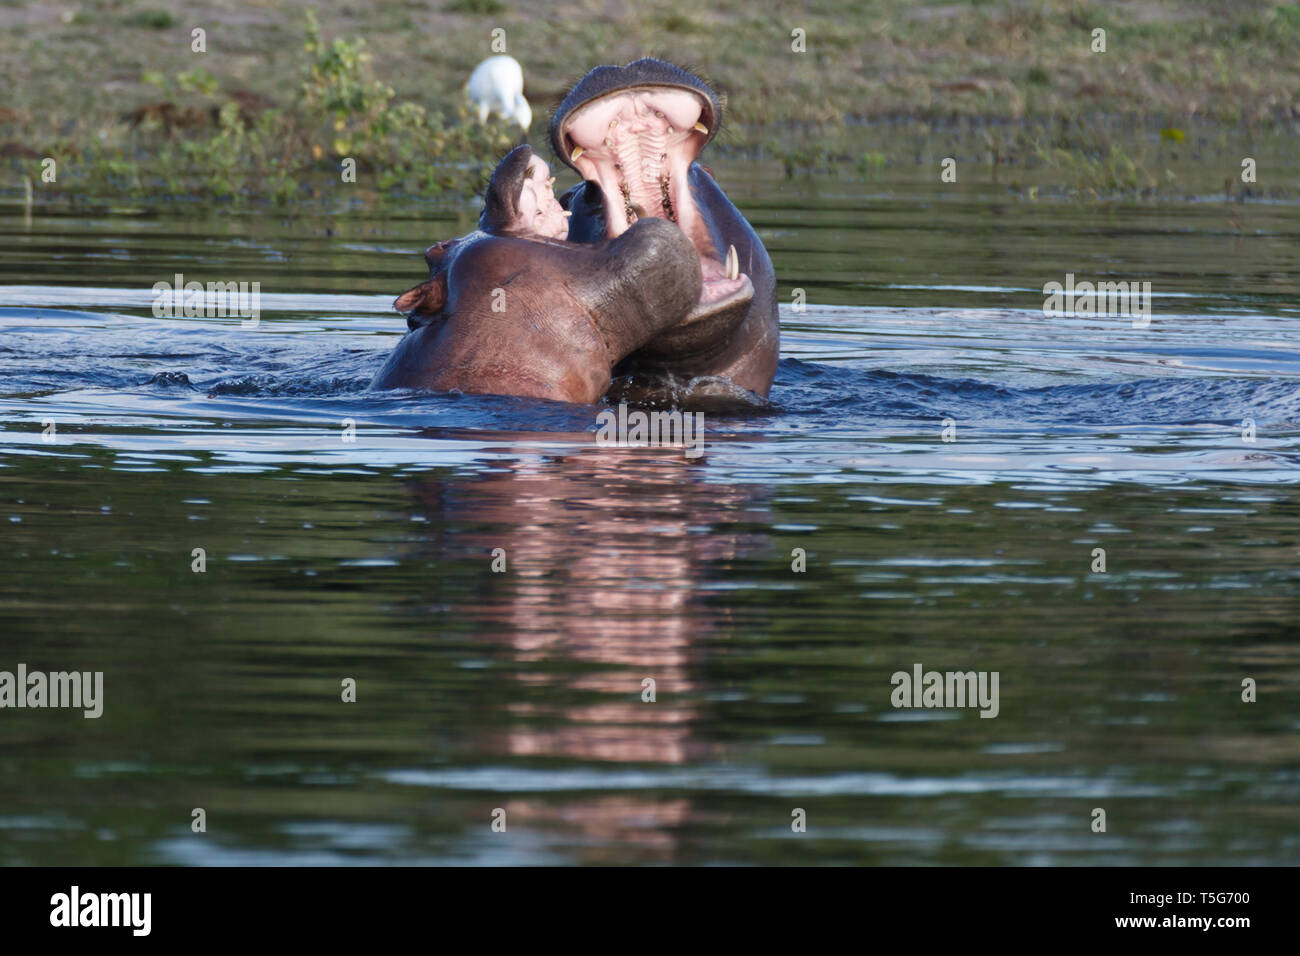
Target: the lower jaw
pixel 703 336
pixel 724 301
pixel 718 290
pixel 721 296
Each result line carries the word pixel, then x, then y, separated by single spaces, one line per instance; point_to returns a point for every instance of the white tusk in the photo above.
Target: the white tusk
pixel 577 151
pixel 701 128
pixel 733 263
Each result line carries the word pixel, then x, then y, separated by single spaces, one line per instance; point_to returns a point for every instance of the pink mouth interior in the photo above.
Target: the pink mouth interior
pixel 540 213
pixel 638 145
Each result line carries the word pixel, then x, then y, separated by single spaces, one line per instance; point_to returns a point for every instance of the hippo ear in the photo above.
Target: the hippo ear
pixel 427 298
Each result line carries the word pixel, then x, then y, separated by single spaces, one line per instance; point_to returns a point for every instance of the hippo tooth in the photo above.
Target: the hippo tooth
pixel 577 151
pixel 701 128
pixel 733 263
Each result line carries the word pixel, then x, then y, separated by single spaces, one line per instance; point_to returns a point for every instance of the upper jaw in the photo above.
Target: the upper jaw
pixel 637 145
pixel 635 130
pixel 645 74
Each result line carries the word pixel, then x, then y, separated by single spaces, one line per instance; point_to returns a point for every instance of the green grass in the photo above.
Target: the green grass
pixel 151 19
pixel 482 7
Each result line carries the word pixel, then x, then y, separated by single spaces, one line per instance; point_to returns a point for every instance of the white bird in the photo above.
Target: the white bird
pixel 497 86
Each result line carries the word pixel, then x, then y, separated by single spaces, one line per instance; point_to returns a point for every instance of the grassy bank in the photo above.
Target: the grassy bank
pixel 113 91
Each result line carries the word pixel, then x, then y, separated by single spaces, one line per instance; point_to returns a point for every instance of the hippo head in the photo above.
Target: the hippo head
pixel 520 199
pixel 633 133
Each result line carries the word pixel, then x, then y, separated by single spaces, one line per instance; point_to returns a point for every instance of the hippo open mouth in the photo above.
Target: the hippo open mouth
pixel 634 131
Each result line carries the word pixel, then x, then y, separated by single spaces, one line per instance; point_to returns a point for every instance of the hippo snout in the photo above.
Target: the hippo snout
pixel 662 253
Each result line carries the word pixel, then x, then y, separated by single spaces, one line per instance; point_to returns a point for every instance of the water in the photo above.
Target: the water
pixel 522 691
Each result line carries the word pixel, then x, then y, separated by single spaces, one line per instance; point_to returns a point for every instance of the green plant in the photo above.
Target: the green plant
pixel 870 164
pixel 1108 173
pixel 151 20
pixel 476 6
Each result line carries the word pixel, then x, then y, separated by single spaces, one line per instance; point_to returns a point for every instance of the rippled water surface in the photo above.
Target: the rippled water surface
pixel 127 441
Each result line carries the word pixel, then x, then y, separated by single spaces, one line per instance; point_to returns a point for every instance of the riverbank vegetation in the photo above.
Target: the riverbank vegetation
pixel 282 102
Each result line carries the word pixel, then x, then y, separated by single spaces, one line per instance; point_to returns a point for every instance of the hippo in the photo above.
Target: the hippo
pixel 516 309
pixel 634 133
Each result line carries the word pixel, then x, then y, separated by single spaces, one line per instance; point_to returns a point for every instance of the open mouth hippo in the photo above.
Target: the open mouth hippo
pixel 633 133
pixel 514 309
